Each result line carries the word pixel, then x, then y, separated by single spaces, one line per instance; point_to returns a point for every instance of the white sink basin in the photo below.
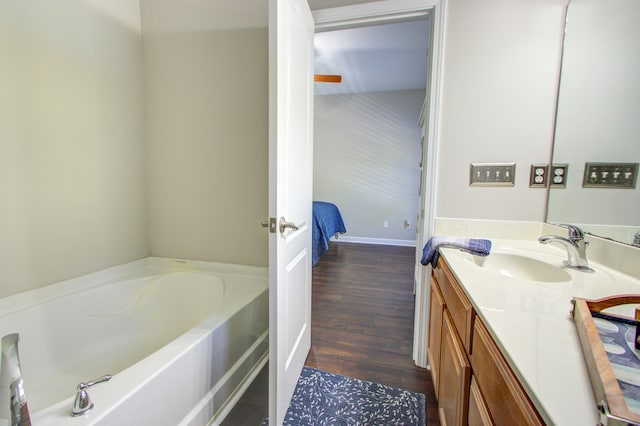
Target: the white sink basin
pixel 521 267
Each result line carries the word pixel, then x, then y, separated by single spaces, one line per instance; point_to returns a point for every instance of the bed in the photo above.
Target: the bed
pixel 327 222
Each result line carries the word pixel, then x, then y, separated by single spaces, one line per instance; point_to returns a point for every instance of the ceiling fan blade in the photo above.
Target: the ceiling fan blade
pixel 323 78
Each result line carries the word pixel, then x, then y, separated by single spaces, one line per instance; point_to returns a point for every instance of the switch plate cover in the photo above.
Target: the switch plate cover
pixel 492 174
pixel 610 175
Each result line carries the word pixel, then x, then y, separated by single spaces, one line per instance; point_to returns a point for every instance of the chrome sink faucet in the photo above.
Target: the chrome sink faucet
pixel 11 376
pixel 575 245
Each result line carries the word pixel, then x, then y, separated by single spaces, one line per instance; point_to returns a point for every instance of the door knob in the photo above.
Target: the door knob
pixel 284 225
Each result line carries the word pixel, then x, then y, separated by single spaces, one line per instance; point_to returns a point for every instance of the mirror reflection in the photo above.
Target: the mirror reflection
pixel 598 116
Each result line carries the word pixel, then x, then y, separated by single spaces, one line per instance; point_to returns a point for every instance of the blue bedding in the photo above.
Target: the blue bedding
pixel 327 221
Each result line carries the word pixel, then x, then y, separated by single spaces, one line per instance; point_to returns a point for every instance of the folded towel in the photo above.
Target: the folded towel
pixel 478 247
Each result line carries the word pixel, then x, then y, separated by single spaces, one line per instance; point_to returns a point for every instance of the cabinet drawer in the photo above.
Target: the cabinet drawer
pixel 456 302
pixel 506 401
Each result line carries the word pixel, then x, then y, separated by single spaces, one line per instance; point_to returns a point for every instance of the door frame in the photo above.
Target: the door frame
pixel 389 11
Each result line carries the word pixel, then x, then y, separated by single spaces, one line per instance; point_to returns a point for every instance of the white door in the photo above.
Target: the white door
pixel 291 31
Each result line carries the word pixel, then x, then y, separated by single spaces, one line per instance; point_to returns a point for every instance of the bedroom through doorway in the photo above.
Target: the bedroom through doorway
pixel 367 140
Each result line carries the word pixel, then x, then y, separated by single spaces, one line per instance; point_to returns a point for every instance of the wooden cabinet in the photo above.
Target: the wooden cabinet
pixel 507 402
pixel 455 376
pixel 450 321
pixel 436 309
pixel 456 303
pixel 473 383
pixel 478 411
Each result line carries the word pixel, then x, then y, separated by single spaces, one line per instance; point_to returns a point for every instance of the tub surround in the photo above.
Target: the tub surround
pixel 156 325
pixel 530 321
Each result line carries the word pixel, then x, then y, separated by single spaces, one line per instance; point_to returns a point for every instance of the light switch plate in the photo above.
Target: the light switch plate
pixel 492 174
pixel 610 175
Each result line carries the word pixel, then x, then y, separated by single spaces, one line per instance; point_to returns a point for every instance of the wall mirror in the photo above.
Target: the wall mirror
pixel 598 117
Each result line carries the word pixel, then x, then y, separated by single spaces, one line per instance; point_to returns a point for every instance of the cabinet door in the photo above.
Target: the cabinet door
pixel 478 412
pixel 457 303
pixel 455 377
pixel 436 310
pixel 505 399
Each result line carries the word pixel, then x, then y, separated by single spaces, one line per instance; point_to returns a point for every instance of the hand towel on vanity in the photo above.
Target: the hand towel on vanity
pixel 475 246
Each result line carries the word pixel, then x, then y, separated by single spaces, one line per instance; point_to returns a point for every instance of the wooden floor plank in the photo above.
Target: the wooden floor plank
pixel 362 318
pixel 362 325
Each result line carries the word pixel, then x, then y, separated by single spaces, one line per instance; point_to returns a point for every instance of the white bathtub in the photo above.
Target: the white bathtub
pixel 180 338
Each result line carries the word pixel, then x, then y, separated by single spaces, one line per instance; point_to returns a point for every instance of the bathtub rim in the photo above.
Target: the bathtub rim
pixel 126 271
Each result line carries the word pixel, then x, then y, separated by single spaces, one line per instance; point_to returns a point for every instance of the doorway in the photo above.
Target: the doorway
pixel 392 11
pixel 331 19
pixel 385 13
pixel 366 134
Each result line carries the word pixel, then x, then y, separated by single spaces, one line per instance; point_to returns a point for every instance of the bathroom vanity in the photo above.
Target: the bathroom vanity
pixel 502 346
pixel 477 385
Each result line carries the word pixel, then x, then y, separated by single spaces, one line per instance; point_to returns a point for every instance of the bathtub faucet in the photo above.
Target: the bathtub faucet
pixel 575 245
pixel 11 376
pixel 83 403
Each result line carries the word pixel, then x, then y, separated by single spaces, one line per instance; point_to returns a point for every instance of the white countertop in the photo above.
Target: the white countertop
pixel 531 322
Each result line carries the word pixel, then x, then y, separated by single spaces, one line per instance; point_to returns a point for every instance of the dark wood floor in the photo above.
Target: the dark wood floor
pixel 362 325
pixel 362 318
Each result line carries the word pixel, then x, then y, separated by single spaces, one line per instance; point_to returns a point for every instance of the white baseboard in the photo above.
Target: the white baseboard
pixel 381 241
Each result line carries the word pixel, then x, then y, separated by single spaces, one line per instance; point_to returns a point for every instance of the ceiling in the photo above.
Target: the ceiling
pixel 372 59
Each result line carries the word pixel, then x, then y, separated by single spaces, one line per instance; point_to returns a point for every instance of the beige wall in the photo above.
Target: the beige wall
pixel 72 160
pixel 206 85
pixel 366 161
pixel 501 64
pixel 91 168
pixel 74 175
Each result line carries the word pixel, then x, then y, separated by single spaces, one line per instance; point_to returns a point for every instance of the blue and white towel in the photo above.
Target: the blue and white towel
pixel 475 246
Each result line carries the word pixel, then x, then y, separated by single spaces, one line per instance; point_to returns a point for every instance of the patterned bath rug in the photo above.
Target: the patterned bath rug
pixel 323 398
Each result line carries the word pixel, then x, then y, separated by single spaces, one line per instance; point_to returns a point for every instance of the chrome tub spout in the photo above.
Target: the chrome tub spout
pixel 11 376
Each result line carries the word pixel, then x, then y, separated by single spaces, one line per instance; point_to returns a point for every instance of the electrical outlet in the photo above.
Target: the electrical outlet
pixel 385 224
pixel 558 175
pixel 539 176
pixel 610 175
pixel 492 174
